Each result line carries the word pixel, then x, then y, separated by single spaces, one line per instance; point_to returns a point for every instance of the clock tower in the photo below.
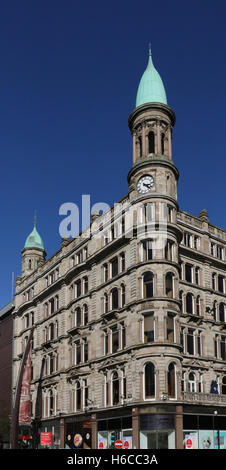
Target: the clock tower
pixel 151 124
pixel 153 192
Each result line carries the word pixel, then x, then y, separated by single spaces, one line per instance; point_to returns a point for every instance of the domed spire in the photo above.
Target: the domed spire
pixel 34 240
pixel 151 88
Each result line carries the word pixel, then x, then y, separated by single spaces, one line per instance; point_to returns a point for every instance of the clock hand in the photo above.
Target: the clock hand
pixel 147 185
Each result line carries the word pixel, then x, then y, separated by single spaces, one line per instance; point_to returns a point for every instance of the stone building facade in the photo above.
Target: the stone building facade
pixel 129 317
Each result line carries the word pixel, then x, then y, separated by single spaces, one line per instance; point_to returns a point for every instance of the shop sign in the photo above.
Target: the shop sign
pixel 46 438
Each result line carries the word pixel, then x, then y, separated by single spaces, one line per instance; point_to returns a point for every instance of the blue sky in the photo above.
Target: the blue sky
pixel 69 74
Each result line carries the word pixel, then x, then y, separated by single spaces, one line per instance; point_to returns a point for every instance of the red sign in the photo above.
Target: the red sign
pixel 101 445
pixel 46 438
pixel 126 445
pixel 188 443
pixel 118 444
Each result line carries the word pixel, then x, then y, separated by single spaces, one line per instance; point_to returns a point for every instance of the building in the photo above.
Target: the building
pixel 129 317
pixel 6 337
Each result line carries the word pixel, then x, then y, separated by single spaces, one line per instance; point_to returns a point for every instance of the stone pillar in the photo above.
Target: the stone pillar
pixel 62 434
pixel 169 143
pixel 143 141
pixel 158 138
pixel 134 148
pixel 179 427
pixel 135 428
pixel 94 430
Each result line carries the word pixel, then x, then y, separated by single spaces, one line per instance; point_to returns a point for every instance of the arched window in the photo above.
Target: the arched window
pixel 140 146
pixel 189 303
pixel 78 317
pixel 162 143
pixel 191 382
pixel 223 390
pixel 171 381
pixel 123 295
pixel 78 397
pixel 198 305
pixel 51 331
pixel 169 284
pixel 148 285
pixel 221 312
pixel 29 264
pixel 149 378
pixel 215 310
pixel 214 281
pixel 105 303
pixel 181 297
pixel 115 388
pixel 114 298
pixel 85 285
pixel 85 314
pixel 151 142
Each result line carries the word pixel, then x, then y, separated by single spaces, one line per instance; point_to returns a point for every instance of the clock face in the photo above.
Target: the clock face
pixel 144 184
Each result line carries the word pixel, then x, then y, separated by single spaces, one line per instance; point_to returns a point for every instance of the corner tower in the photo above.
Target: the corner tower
pixel 33 253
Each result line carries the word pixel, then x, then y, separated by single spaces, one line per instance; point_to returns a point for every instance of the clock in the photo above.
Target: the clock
pixel 144 184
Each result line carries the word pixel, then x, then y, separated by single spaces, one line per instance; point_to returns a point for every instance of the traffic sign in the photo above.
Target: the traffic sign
pixel 126 445
pixel 118 444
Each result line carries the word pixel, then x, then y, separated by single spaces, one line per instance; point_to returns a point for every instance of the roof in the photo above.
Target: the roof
pixel 151 88
pixel 34 240
pixel 6 309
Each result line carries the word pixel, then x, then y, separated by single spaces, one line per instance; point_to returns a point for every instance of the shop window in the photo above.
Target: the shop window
pixel 223 389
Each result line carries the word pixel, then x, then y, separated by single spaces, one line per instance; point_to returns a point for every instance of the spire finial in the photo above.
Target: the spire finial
pixel 35 218
pixel 149 47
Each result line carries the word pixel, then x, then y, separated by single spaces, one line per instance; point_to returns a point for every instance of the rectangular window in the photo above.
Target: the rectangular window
pixel 115 339
pixel 187 239
pixel 170 328
pixel 222 347
pixel 147 250
pixel 221 283
pixel 149 328
pixel 188 272
pixel 114 267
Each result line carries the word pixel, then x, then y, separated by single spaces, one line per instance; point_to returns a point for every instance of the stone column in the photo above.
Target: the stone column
pixel 135 428
pixel 143 141
pixel 134 148
pixel 94 431
pixel 62 434
pixel 179 427
pixel 169 143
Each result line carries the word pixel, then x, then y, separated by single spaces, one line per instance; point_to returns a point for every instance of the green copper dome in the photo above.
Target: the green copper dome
pixel 151 88
pixel 34 240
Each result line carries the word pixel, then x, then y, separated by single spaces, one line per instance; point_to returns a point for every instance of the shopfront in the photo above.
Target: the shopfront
pixel 157 431
pixel 115 431
pixel 78 433
pixel 204 431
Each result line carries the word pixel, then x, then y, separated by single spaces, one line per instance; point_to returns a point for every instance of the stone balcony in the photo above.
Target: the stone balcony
pixel 204 398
